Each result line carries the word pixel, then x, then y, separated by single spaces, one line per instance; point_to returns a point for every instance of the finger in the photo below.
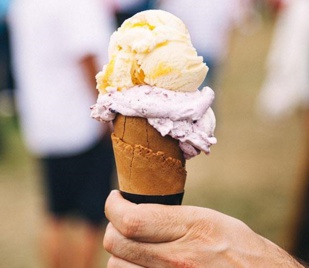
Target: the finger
pixel 138 253
pixel 148 222
pixel 115 262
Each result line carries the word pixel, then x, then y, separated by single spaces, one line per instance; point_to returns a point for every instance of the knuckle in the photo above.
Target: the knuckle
pixel 112 262
pixel 178 261
pixel 131 224
pixel 108 241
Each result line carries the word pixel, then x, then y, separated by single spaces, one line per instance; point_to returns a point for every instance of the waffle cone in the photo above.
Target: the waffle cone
pixel 147 163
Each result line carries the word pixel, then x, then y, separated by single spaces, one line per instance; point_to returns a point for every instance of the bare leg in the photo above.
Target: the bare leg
pixel 70 244
pixel 87 244
pixel 52 235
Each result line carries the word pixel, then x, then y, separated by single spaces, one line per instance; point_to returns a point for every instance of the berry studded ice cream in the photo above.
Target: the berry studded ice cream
pixel 185 116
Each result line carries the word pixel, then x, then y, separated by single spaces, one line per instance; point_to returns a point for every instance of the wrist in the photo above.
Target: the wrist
pixel 280 257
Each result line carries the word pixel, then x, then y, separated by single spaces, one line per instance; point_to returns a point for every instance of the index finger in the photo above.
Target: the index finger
pixel 147 222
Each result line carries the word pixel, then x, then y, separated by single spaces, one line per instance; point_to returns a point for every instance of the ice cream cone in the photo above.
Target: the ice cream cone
pixel 154 72
pixel 150 168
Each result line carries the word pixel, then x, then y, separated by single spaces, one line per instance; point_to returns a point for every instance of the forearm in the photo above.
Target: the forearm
pixel 89 69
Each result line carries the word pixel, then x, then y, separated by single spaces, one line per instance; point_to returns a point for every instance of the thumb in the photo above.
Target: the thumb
pixel 148 222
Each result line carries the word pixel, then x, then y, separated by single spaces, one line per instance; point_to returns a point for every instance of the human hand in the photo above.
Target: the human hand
pixel 151 235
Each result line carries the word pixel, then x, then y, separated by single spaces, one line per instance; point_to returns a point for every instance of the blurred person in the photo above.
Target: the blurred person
pixel 6 78
pixel 151 235
pixel 125 9
pixel 210 24
pixel 276 6
pixel 284 91
pixel 56 46
pixel 298 236
pixel 285 87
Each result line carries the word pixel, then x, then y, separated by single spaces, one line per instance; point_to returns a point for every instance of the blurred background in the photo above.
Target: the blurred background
pixel 255 173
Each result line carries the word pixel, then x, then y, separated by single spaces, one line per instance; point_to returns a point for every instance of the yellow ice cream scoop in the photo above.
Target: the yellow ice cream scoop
pixel 152 48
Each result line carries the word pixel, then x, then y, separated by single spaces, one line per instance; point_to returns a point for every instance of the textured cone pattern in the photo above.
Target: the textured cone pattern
pixel 147 163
